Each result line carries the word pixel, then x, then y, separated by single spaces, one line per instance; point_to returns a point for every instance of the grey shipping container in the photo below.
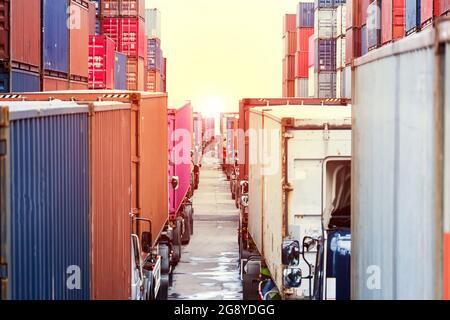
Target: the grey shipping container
pixel 120 71
pixel 325 84
pixel 45 251
pixel 55 36
pixel 401 169
pixel 325 23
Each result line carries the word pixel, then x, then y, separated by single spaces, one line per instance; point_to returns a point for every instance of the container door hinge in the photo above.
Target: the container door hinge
pixel 326 133
pixel 3 271
pixel 288 135
pixel 287 187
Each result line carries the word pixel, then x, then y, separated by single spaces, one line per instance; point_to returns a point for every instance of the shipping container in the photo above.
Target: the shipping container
pixel 288 88
pixel 412 16
pixel 110 226
pixel 132 8
pixel 374 25
pixel 92 17
pixel 301 64
pixel 153 23
pixel 180 145
pixel 352 45
pixel 287 198
pixel 25 34
pixel 352 14
pixel 197 138
pixel 289 68
pixel 364 6
pixel 402 203
pixel 120 71
pixel 301 87
pixel 340 84
pixel 325 56
pixel 79 39
pixel 110 8
pixel 46 248
pixel 13 80
pixel 154 81
pixel 55 84
pixel 325 24
pixel 325 84
pixel 149 133
pixel 131 37
pixel 305 15
pixel 135 74
pixel 325 3
pixel 154 54
pixel 311 51
pixel 312 92
pixel 303 35
pixel 392 20
pixel 340 52
pixel 347 83
pixel 363 40
pixel 111 27
pixel 289 23
pixel 445 6
pixel 290 43
pixel 428 10
pixel 4 31
pixel 78 85
pixel 341 13
pixel 55 36
pixel 101 62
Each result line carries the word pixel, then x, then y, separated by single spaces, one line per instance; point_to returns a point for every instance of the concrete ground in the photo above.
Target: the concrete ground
pixel 208 269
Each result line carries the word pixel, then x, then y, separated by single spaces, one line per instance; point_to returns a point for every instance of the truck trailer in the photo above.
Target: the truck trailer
pixel 297 188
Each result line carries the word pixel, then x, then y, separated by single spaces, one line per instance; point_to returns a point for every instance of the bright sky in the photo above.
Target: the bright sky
pixel 219 51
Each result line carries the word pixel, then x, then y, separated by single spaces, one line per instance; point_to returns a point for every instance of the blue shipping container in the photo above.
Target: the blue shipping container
pixel 338 262
pixel 56 35
pixel 328 3
pixel 363 40
pixel 305 15
pixel 325 54
pixel 19 81
pixel 412 15
pixel 120 71
pixel 48 216
pixel 154 54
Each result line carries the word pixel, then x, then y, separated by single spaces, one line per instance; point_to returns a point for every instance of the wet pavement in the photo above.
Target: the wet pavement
pixel 208 269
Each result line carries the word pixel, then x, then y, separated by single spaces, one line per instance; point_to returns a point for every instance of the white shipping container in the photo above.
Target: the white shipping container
pixel 341 19
pixel 347 82
pixel 340 84
pixel 301 87
pixel 325 23
pixel 291 204
pixel 311 83
pixel 153 23
pixel 340 52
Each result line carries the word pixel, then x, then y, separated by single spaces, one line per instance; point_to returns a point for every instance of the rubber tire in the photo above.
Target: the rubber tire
pixel 163 292
pixel 186 236
pixel 165 262
pixel 177 241
pixel 192 220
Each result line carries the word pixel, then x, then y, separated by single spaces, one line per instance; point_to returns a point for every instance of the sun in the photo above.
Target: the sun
pixel 211 107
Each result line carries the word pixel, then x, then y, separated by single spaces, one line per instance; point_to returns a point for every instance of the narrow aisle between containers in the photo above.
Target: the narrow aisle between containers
pixel 208 269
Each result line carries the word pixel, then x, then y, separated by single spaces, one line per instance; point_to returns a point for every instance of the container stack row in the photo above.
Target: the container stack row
pixel 155 71
pixel 305 29
pixel 290 49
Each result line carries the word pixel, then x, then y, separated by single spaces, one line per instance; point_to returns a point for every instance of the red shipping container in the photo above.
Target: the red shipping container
pixel 288 89
pixel 303 35
pixel 289 68
pixel 135 72
pixel 428 9
pixel 110 8
pixel 290 43
pixel 301 64
pixel 25 34
pixel 352 14
pixel 392 20
pixel 352 45
pixel 364 5
pixel 55 84
pixel 132 31
pixel 79 39
pixel 444 6
pixel 4 30
pixel 154 81
pixel 111 28
pixel 289 23
pixel 311 52
pixel 110 201
pixel 132 8
pixel 101 62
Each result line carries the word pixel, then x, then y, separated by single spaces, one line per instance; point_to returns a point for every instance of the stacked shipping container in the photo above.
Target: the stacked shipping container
pixel 155 71
pixel 305 28
pixel 341 72
pixel 290 49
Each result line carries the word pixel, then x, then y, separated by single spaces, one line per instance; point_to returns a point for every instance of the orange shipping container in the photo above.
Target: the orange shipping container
pixel 55 84
pixel 76 85
pixel 148 131
pixel 79 38
pixel 110 200
pixel 132 8
pixel 135 74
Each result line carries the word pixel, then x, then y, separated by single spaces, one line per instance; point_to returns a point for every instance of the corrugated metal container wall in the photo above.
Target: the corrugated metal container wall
pixel 289 68
pixel 79 38
pixel 428 9
pixel 120 71
pixel 363 42
pixel 132 32
pixel 132 8
pixel 374 25
pixel 4 30
pixel 301 87
pixel 153 23
pixel 352 45
pixel 77 85
pixel 311 51
pixel 135 68
pixel 111 201
pixel 348 82
pixel 392 20
pixel 305 15
pixel 55 84
pixel 325 54
pixel 289 23
pixel 311 83
pixel 111 27
pixel 396 217
pixel 110 8
pixel 326 84
pixel 290 43
pixel 340 52
pixel 445 6
pixel 301 64
pixel 23 81
pixel 92 17
pixel 325 24
pixel 352 16
pixel 363 11
pixel 324 3
pixel 49 238
pixel 26 32
pixel 101 62
pixel 56 35
pixel 341 20
pixel 412 16
pixel 303 35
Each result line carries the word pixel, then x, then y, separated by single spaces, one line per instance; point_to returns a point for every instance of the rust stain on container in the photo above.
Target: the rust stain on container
pixel 110 154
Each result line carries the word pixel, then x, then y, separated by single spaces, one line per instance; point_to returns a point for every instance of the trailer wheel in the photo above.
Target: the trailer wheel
pixel 163 292
pixel 165 263
pixel 186 236
pixel 192 220
pixel 177 240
